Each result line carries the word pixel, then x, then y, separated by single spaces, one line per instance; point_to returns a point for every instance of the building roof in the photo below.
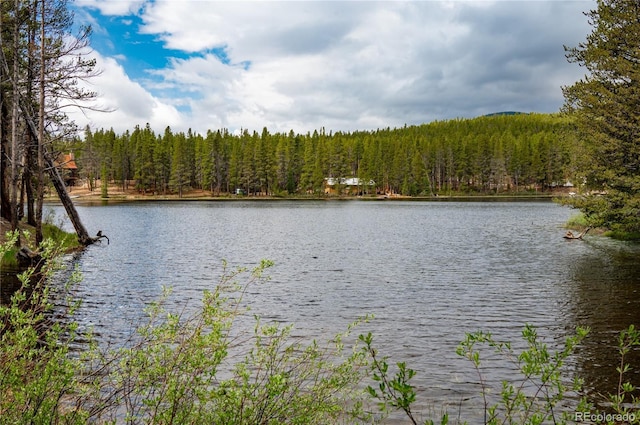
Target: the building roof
pixel 66 161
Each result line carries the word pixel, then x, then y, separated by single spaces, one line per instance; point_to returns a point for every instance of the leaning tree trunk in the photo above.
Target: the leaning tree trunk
pixel 58 183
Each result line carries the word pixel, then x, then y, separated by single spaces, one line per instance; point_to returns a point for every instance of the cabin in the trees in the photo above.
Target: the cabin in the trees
pixel 347 186
pixel 68 168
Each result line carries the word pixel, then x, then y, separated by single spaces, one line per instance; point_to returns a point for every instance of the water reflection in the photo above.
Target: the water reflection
pixel 605 295
pixel 9 284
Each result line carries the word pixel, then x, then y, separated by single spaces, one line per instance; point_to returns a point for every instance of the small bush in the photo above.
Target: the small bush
pixel 577 221
pixel 538 385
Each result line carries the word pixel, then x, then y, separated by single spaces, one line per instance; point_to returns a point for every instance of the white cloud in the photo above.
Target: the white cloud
pixel 126 102
pixel 347 65
pixel 112 7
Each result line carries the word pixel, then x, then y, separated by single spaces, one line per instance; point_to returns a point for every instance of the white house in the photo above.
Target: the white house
pixel 346 186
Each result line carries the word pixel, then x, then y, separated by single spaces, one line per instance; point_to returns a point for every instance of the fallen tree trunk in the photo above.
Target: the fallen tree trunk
pixel 27 258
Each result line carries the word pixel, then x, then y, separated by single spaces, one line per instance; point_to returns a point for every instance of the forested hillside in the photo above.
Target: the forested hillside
pixel 491 154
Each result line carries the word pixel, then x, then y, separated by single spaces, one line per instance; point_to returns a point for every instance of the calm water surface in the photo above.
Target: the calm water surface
pixel 428 271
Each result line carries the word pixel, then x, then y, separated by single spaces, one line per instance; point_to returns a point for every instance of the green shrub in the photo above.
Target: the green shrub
pixel 36 371
pixel 533 394
pixel 624 398
pixel 178 369
pixel 8 258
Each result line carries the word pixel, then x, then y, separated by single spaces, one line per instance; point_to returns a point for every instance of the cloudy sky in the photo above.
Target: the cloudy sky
pixel 341 65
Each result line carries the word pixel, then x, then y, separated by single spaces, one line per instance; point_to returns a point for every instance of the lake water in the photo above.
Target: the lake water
pixel 428 271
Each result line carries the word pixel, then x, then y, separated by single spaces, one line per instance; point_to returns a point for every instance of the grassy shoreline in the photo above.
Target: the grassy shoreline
pixel 68 242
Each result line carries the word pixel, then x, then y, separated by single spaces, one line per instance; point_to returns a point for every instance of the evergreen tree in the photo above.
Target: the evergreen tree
pixel 296 153
pixel 122 160
pixel 235 165
pixel 264 162
pixel 180 162
pixel 202 160
pixel 220 161
pixel 606 106
pixel 248 173
pixel 90 159
pixel 143 142
pixel 309 162
pixel 282 162
pixel 162 160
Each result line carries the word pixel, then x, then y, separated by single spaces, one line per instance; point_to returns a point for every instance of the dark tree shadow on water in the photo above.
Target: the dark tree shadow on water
pixel 605 295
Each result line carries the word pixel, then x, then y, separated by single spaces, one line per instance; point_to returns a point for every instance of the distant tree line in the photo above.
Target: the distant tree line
pixel 487 154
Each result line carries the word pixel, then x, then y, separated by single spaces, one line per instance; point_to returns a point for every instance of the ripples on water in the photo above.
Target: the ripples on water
pixel 428 271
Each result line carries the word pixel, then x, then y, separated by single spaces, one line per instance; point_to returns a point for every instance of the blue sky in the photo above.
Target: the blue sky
pixel 121 37
pixel 341 65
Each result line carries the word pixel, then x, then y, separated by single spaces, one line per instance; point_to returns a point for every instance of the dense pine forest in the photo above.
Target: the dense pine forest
pixel 491 154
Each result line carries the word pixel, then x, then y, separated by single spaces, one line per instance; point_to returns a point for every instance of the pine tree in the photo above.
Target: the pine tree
pixel 180 162
pixel 606 105
pixel 143 145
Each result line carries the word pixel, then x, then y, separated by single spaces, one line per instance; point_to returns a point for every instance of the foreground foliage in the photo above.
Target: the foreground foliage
pixel 198 369
pixel 201 367
pixel 36 371
pixel 195 367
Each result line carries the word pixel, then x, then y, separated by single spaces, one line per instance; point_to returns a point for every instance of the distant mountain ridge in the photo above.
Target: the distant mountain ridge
pixel 506 113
